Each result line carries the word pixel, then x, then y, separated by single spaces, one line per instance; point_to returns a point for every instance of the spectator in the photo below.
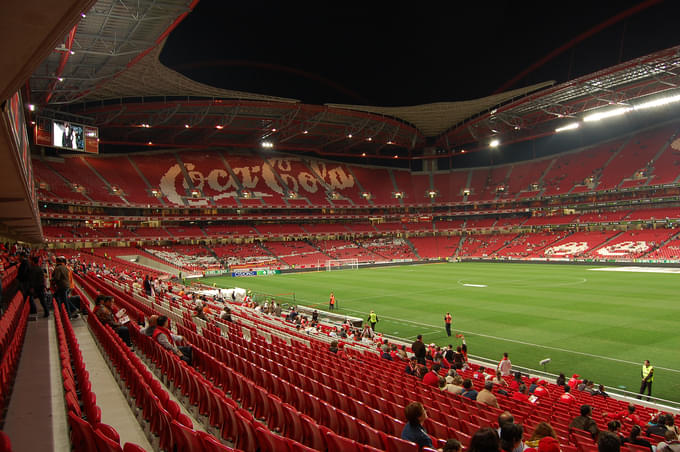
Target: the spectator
pixel 418 348
pixel 657 426
pixel 626 415
pixel 413 430
pixel 454 384
pixel 670 425
pixel 402 353
pixel 567 397
pixel 152 322
pixel 670 443
pixel 449 354
pixel 615 428
pixel 468 390
pixel 504 418
pixel 561 380
pixel 542 430
pixel 432 377
pixel 226 314
pixel 511 438
pixel 485 396
pixel 634 438
pixel 548 444
pixel 505 366
pixel 499 380
pixel 386 353
pixel 333 347
pixel 516 381
pixel 522 394
pixel 105 315
pixel 167 340
pixel 36 286
pixel 61 283
pixel 484 440
pixel 452 445
pixel 394 352
pixel 411 367
pixel 608 442
pixel 585 422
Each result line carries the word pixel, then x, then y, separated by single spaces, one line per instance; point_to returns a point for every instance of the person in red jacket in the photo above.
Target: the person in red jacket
pixel 432 377
pixel 167 340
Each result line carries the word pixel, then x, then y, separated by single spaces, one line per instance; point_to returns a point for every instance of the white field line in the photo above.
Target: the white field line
pixel 547 347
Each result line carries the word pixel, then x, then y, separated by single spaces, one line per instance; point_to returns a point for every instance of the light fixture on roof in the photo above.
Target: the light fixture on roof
pixel 657 102
pixel 305 132
pixel 31 107
pixel 61 79
pixel 366 195
pixel 83 15
pixel 363 154
pixel 462 151
pixel 431 194
pixel 607 114
pixel 72 52
pixel 219 126
pixel 572 126
pixel 494 143
pixel 398 195
pixel 186 126
pixel 396 156
pixel 144 125
pixel 267 144
pixel 150 143
pixel 369 139
pixel 390 142
pixel 349 135
pixel 274 130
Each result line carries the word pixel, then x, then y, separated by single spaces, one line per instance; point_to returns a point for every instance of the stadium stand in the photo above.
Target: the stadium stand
pixel 119 172
pixel 378 182
pixel 435 247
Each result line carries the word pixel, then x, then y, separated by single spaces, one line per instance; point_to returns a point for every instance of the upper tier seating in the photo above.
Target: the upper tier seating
pixel 666 168
pixel 323 228
pixel 77 171
pixel 280 229
pixel 603 217
pixel 378 183
pixel 449 225
pixel 522 176
pixel 257 178
pixel 636 155
pixel 299 179
pixel 119 173
pixel 57 187
pixel 163 173
pixel 574 168
pixel 657 214
pixel 209 175
pixel 414 186
pixel 239 230
pixel 449 186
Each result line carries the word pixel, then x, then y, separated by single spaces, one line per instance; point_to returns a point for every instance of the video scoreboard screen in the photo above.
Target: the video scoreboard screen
pixel 67 135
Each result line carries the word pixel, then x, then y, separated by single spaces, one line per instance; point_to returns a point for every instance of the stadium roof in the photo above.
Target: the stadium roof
pixel 107 71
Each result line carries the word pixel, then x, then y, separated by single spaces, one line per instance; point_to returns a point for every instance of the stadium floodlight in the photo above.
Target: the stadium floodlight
pixel 572 126
pixel 607 114
pixel 658 102
pixel 494 143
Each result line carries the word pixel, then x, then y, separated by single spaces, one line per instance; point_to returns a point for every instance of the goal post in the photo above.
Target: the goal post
pixel 342 264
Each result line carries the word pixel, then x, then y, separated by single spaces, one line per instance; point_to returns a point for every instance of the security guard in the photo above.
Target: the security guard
pixel 647 379
pixel 373 319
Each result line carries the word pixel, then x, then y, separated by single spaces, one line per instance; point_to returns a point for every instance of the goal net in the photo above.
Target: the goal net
pixel 341 264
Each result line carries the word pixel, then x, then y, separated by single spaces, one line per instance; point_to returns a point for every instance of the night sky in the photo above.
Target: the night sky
pixel 406 53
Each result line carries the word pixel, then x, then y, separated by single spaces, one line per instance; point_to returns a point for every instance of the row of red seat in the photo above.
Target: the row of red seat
pixel 13 326
pixel 87 431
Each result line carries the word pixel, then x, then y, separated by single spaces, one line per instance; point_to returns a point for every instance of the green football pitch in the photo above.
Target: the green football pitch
pixel 599 324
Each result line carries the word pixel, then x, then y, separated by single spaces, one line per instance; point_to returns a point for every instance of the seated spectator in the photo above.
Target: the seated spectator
pixel 105 315
pixel 522 394
pixel 432 377
pixel 542 430
pixel 601 391
pixel 504 418
pixel 561 380
pixel 167 340
pixel 411 367
pixel 585 422
pixel 608 442
pixel 333 347
pixel 626 415
pixel 511 438
pixel 499 380
pixel 670 425
pixel 394 352
pixel 487 397
pixel 657 426
pixel 402 353
pixel 516 381
pixel 454 384
pixel 386 353
pixel 468 390
pixel 226 314
pixel 413 430
pixel 151 325
pixel 200 311
pixel 634 438
pixel 421 371
pixel 671 443
pixel 615 428
pixel 484 440
pixel 452 445
pixel 567 397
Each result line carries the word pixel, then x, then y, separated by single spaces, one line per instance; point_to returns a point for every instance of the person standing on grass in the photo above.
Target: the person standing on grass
pixel 647 374
pixel 331 302
pixel 447 323
pixel 373 319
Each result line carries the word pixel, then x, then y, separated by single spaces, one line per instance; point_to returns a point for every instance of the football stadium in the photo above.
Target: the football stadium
pixel 241 227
